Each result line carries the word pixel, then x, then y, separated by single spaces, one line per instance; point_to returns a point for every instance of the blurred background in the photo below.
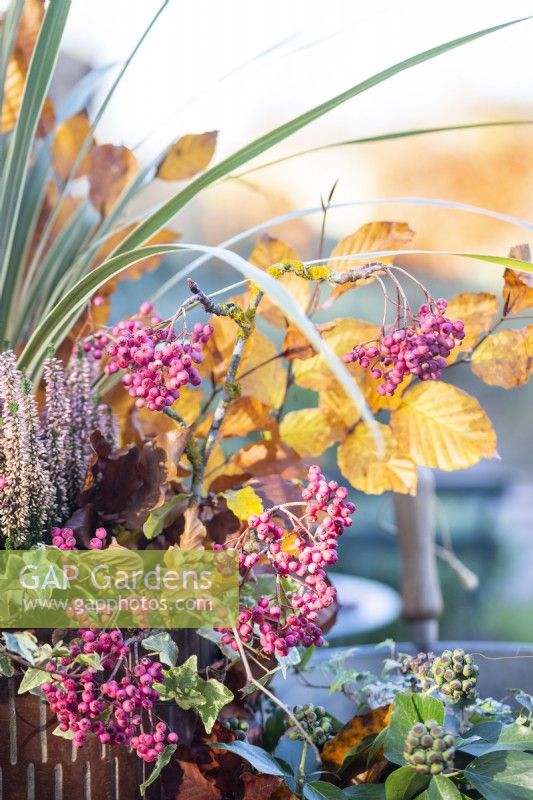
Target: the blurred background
pixel 242 68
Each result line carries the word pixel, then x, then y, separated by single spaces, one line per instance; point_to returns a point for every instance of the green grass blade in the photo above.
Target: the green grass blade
pixel 88 140
pixel 15 170
pixel 56 262
pixel 169 284
pixel 383 137
pixel 165 213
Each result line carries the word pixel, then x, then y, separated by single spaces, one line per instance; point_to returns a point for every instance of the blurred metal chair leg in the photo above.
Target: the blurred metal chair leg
pixel 421 592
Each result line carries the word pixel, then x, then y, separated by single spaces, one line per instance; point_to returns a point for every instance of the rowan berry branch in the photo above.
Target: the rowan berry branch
pixel 231 391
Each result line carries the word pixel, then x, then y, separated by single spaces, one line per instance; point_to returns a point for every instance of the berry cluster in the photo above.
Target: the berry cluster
pixel 455 674
pixel 237 726
pixel 278 624
pixel 114 710
pixel 315 721
pixel 418 670
pixel 64 539
pixel 157 362
pixel 420 349
pixel 429 748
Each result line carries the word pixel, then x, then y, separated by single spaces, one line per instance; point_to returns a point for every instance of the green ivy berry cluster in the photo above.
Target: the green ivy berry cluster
pixel 429 748
pixel 238 726
pixel 314 720
pixel 455 674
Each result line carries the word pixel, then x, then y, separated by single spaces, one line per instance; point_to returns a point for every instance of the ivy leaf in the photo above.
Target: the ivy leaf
pixel 505 359
pixel 183 685
pixel 443 788
pixel 155 521
pixel 274 728
pixel 164 645
pixel 502 776
pixel 31 679
pixel 162 760
pixel 256 756
pixel 91 660
pixel 492 737
pixel 440 426
pixel 6 667
pixel 244 503
pixel 180 684
pixel 320 790
pixel 63 734
pixel 22 644
pixel 523 698
pixel 404 784
pixel 366 792
pixel 216 696
pixel 408 710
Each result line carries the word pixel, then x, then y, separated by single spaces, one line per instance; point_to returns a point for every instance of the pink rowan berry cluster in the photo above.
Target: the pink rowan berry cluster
pixel 157 363
pixel 64 539
pixel 114 710
pixel 420 349
pixel 275 626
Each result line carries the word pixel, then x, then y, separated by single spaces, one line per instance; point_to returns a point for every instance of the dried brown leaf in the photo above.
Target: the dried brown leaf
pixel 112 167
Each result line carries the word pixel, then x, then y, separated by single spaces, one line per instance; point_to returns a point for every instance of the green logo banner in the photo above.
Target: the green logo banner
pixel 51 588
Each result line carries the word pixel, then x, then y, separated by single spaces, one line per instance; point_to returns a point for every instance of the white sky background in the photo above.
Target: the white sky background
pixel 173 86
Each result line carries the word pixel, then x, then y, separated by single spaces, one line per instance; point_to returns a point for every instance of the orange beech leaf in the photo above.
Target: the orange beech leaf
pixel 371 471
pixel 194 533
pixel 350 735
pixel 518 286
pixel 269 251
pixel 478 311
pixel 189 155
pixel 112 167
pixel 440 426
pixel 67 143
pixel 13 90
pixel 28 30
pixel 246 414
pixel 266 456
pixel 505 359
pixel 295 344
pixel 372 236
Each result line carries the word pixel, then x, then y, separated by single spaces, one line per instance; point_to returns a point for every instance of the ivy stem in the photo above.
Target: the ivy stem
pixel 301 766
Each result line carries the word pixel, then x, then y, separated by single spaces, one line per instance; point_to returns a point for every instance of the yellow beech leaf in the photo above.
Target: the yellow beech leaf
pixel 244 502
pixel 478 310
pixel 291 544
pixel 189 155
pixel 309 431
pixel 372 236
pixel 517 291
pixel 13 90
pixel 67 143
pixel 295 344
pixel 112 167
pixel 505 359
pixel 194 531
pixel 269 251
pixel 441 426
pixel 261 375
pixel 313 373
pixel 373 472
